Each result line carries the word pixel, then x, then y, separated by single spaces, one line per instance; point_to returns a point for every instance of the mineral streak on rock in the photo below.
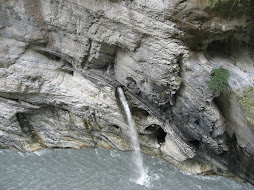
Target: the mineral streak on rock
pixel 60 62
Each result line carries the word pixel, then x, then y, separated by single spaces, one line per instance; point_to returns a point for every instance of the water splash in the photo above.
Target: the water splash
pixel 143 178
pixel 41 152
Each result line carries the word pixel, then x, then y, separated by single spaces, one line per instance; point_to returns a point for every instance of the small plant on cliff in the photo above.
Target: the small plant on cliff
pixel 219 79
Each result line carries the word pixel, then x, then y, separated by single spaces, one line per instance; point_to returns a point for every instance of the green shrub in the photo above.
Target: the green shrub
pixel 219 79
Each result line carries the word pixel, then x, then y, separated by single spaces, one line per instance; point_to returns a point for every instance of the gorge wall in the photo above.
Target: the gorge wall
pixel 61 61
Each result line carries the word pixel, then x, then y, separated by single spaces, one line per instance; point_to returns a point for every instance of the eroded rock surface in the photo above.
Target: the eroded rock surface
pixel 60 62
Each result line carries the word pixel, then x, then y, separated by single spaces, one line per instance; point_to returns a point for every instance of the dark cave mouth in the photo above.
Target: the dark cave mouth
pixel 156 132
pixel 160 135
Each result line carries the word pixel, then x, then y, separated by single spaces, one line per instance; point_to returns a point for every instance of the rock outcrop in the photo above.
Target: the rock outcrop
pixel 61 61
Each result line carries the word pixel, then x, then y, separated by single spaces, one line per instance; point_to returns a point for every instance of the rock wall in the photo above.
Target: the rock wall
pixel 61 60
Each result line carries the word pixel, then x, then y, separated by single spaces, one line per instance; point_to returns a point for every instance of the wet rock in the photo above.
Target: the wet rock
pixel 60 62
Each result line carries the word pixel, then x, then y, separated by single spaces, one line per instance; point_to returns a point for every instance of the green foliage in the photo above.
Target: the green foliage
pixel 246 99
pixel 219 79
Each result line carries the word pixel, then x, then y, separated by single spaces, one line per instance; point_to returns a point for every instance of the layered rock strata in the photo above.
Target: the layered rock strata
pixel 61 61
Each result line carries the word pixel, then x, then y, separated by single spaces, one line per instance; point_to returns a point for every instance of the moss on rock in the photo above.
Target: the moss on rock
pixel 246 99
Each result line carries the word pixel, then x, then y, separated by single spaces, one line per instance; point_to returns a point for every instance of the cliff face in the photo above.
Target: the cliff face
pixel 61 60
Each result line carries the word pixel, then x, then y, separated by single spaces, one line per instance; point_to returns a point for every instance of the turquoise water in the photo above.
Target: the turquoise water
pixel 98 169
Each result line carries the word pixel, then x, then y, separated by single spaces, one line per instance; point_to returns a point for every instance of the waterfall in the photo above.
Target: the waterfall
pixel 137 156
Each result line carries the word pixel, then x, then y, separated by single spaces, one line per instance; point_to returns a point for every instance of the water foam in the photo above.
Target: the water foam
pixel 40 152
pixel 143 178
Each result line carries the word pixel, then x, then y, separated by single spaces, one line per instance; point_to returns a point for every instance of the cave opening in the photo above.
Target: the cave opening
pixel 160 135
pixel 228 47
pixel 195 143
pixel 115 126
pixel 217 45
pixel 156 132
pixel 219 48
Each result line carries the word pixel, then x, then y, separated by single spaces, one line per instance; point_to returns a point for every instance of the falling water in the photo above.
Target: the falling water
pixel 137 157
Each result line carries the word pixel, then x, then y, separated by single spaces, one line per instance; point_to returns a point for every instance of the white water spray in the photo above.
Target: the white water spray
pixel 137 157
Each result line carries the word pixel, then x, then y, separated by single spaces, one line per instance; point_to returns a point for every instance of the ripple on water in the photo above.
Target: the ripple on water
pixel 98 169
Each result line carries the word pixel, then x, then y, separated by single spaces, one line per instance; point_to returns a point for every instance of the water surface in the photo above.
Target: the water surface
pixel 98 169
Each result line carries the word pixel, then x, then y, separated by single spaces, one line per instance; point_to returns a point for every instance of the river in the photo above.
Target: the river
pixel 98 169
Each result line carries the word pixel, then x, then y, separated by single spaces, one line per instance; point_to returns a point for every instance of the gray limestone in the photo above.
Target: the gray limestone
pixel 61 61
